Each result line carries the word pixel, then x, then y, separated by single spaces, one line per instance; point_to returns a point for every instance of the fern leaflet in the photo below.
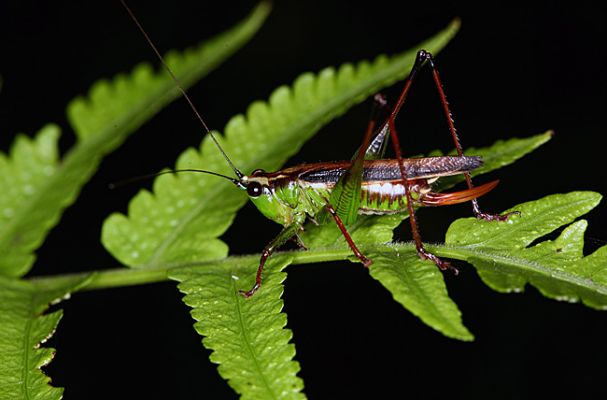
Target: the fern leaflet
pixel 23 330
pixel 36 186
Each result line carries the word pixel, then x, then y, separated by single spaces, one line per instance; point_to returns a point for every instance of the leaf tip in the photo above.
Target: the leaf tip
pixel 263 8
pixel 455 24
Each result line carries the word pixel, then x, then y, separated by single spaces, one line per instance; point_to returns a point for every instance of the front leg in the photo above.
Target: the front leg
pixel 287 233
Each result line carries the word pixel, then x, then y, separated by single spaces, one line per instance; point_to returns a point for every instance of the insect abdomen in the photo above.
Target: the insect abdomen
pixel 382 197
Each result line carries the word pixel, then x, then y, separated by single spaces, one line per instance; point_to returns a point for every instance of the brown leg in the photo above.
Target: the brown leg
pixel 366 261
pixel 419 245
pixel 423 58
pixel 287 233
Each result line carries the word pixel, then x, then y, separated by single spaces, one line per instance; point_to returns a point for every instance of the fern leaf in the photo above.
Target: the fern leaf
pixel 27 168
pixel 416 284
pixel 557 268
pixel 36 187
pixel 498 250
pixel 506 152
pixel 419 286
pixel 247 336
pixel 503 258
pixel 186 213
pixel 23 329
pixel 115 108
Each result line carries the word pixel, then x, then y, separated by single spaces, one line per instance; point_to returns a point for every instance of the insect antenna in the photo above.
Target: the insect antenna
pixel 172 171
pixel 181 89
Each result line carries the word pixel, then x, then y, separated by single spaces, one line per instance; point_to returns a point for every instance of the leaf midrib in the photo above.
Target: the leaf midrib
pixel 464 252
pixel 108 278
pixel 26 353
pixel 244 330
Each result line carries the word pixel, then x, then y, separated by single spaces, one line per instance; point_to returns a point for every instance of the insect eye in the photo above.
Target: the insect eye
pixel 254 189
pixel 257 172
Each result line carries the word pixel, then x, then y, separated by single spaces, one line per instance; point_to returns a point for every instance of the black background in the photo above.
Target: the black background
pixel 513 70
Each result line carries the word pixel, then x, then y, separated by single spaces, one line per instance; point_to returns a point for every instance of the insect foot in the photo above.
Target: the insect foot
pixel 441 264
pixel 249 293
pixel 496 217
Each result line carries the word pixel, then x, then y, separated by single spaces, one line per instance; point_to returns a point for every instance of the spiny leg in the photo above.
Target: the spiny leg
pixel 419 245
pixel 423 58
pixel 287 233
pixel 448 114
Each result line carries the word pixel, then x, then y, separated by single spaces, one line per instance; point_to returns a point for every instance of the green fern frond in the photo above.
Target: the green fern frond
pixel 243 333
pixel 557 267
pixel 23 172
pixel 35 186
pixel 115 108
pixel 416 284
pixel 23 330
pixel 500 252
pixel 186 213
pixel 503 258
pixel 247 336
pixel 419 286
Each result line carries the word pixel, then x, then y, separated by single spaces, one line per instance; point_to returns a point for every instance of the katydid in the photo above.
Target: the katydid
pixel 367 184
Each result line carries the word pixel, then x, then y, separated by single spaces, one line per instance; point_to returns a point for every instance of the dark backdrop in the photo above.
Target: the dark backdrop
pixel 513 70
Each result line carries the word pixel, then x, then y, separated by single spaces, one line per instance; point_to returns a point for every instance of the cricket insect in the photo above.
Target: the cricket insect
pixel 367 184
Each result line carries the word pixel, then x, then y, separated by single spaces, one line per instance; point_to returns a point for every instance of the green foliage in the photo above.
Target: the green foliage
pixel 503 259
pixel 180 222
pixel 500 251
pixel 23 329
pixel 23 221
pixel 419 286
pixel 182 219
pixel 42 185
pixel 557 267
pixel 247 336
pixel 116 108
pixel 416 284
pixel 36 186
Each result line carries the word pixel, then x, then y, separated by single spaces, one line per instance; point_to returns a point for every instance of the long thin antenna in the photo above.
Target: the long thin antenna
pixel 172 171
pixel 180 87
